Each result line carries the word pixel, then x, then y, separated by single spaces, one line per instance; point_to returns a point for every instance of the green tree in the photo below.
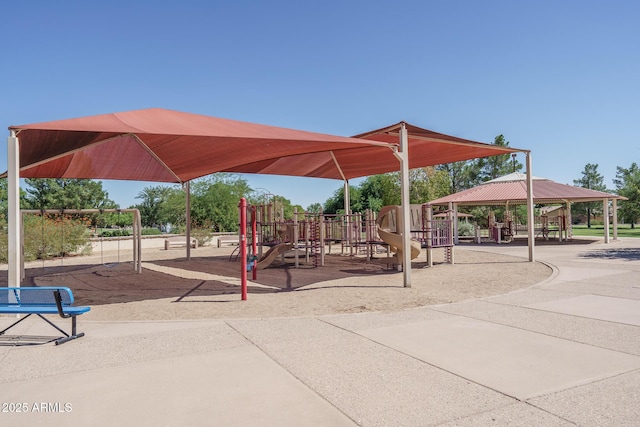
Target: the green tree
pixel 314 207
pixel 280 203
pixel 152 199
pixel 592 180
pixel 61 193
pixel 428 184
pixel 173 208
pixel 284 205
pixel 4 193
pixel 487 168
pixel 461 175
pixel 377 191
pixel 4 200
pixel 627 182
pixel 4 209
pixel 335 204
pixel 214 201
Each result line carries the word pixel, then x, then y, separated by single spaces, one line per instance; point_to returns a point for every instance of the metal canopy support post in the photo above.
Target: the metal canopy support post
pixel 403 156
pixel 14 217
pixel 530 220
pixel 138 246
pixel 347 198
pixel 243 248
pixel 187 190
pixel 347 216
pixel 296 236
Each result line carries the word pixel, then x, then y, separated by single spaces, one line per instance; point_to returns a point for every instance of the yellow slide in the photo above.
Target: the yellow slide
pixel 272 254
pixel 394 240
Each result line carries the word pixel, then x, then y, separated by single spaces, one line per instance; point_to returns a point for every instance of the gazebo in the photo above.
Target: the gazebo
pixel 511 190
pixel 170 146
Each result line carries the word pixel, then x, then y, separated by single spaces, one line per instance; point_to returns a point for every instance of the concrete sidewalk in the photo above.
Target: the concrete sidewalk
pixel 563 352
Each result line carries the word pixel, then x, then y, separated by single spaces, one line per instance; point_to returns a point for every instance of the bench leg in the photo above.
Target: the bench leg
pixel 14 324
pixel 69 338
pixel 61 340
pixel 73 335
pixel 52 324
pixel 66 336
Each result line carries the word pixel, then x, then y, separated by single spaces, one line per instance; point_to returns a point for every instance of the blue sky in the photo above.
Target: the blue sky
pixel 560 78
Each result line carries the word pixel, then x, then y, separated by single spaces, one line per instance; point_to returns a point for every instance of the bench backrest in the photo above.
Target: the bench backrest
pixel 25 296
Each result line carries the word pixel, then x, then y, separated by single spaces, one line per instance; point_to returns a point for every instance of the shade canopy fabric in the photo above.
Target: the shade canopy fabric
pixel 425 147
pixel 170 146
pixel 161 145
pixel 512 189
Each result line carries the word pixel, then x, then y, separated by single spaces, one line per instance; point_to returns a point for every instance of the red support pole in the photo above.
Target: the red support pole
pixel 243 247
pixel 254 244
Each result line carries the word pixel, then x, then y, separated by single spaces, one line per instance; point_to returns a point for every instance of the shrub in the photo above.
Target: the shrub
pixel 150 231
pixel 4 249
pixel 466 229
pixel 54 236
pixel 203 235
pixel 116 233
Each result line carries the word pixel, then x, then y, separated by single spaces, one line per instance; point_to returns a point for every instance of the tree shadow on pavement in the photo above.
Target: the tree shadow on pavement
pixel 625 254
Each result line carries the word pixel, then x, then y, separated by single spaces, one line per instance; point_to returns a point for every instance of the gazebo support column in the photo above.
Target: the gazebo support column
pixel 560 226
pixel 605 219
pixel 568 220
pixel 614 206
pixel 456 239
pixel 530 220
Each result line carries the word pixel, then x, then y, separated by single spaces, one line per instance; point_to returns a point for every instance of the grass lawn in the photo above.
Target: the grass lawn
pixel 624 230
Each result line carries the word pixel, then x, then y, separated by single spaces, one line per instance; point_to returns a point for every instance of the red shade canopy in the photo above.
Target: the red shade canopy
pixel 426 148
pixel 170 146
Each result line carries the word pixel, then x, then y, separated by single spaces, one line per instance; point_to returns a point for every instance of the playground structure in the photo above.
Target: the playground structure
pixel 553 222
pixel 437 233
pixel 309 237
pixel 266 227
pixel 136 241
pixel 388 227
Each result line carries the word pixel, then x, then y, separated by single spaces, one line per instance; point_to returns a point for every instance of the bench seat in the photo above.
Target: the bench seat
pixel 42 309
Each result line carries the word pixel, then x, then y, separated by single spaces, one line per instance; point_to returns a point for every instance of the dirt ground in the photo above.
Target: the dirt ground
pixel 208 285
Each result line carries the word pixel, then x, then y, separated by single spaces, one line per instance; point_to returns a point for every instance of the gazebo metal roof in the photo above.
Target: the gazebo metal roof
pixel 512 189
